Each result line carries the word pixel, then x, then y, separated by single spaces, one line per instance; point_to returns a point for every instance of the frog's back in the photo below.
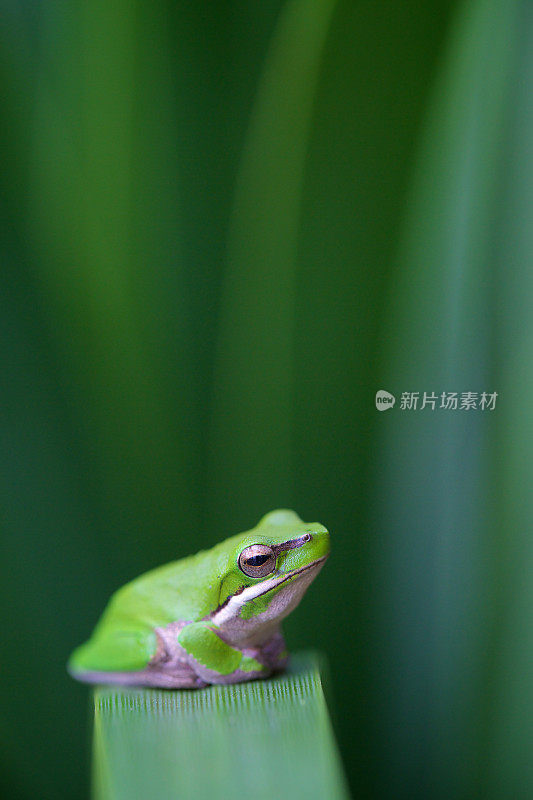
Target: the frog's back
pixel 124 638
pixel 179 591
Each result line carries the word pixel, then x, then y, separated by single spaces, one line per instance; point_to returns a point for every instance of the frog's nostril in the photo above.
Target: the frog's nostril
pixel 307 537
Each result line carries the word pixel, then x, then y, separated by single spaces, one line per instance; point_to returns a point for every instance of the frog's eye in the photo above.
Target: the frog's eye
pixel 257 561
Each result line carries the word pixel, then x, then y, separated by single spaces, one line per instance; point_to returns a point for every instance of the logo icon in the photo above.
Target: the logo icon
pixel 384 400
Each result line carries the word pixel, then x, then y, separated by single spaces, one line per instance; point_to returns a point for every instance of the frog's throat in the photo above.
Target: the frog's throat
pixel 231 609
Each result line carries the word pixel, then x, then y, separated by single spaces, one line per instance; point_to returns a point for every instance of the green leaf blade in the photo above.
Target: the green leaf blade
pixel 263 739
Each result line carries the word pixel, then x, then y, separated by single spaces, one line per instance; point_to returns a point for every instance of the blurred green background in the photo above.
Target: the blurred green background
pixel 225 226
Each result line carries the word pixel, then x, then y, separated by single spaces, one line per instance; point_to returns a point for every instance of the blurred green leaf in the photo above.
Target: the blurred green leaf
pixel 505 689
pixel 96 220
pixel 252 450
pixel 433 488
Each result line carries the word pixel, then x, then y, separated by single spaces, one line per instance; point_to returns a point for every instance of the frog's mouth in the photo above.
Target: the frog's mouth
pixel 278 581
pixel 240 598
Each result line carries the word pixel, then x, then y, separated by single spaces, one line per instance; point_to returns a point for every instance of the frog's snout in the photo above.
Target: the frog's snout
pixel 319 541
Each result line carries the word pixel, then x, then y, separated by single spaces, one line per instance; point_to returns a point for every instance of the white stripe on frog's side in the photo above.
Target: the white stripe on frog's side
pixel 232 608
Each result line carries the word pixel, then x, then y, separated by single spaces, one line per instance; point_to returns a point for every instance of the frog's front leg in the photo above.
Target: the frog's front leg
pixel 214 660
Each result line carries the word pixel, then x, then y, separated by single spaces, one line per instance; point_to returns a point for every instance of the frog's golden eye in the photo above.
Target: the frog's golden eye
pixel 257 561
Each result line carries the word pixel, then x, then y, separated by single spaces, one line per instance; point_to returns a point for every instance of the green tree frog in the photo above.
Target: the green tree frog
pixel 211 618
